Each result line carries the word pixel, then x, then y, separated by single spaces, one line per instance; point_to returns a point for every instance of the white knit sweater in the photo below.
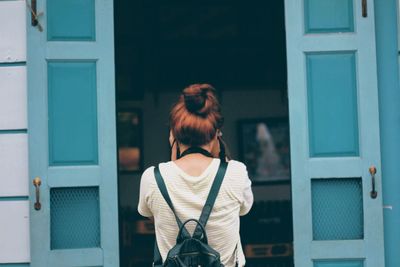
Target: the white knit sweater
pixel 188 194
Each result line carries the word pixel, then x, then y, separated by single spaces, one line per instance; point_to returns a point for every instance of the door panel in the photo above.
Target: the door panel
pixel 71 20
pixel 334 126
pixel 72 113
pixel 72 141
pixel 328 16
pixel 332 104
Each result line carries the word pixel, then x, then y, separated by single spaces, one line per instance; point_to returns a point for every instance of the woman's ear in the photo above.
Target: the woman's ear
pixel 174 147
pixel 215 149
pixel 171 138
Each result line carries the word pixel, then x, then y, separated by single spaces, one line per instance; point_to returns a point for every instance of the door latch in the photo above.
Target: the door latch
pixel 37 182
pixel 372 171
pixel 34 15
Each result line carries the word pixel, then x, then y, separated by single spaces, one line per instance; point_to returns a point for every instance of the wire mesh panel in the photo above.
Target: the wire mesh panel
pixel 339 263
pixel 75 218
pixel 337 209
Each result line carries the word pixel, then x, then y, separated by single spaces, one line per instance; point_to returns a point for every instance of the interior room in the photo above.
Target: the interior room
pixel 237 46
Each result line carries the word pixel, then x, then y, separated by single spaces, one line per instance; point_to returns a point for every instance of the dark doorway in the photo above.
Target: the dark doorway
pixel 239 47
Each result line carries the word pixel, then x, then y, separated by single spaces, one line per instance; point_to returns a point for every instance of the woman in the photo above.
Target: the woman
pixel 195 122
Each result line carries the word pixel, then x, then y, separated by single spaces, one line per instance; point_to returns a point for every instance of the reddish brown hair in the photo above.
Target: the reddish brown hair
pixel 196 117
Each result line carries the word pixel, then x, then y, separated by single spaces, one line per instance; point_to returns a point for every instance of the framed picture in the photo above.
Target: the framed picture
pixel 129 136
pixel 264 148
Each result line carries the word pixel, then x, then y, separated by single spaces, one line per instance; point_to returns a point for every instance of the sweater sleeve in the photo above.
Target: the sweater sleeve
pixel 247 194
pixel 144 206
pixel 240 186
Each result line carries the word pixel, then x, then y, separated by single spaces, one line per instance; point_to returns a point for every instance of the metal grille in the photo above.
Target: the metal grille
pixel 337 209
pixel 74 217
pixel 339 263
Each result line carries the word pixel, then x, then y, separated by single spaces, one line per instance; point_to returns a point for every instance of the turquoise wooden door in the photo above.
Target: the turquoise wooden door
pixel 72 140
pixel 333 107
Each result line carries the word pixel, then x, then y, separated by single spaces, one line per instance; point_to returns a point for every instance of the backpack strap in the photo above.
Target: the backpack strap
pixel 164 192
pixel 212 196
pixel 205 214
pixel 157 260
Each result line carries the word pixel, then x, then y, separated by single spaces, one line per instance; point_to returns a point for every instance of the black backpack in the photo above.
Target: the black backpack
pixel 191 251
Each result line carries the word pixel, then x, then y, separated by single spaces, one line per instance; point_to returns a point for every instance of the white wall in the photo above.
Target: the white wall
pixel 236 105
pixel 14 204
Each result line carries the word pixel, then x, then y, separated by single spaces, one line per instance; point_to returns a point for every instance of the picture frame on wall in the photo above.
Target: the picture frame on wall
pixel 264 147
pixel 130 140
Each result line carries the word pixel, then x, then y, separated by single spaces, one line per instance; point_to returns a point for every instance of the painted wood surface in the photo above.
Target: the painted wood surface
pixel 13 101
pixel 13 165
pixel 332 104
pixel 14 232
pixel 316 177
pixel 72 109
pixel 72 136
pixel 12 31
pixel 389 99
pixel 328 16
pixel 14 264
pixel 71 20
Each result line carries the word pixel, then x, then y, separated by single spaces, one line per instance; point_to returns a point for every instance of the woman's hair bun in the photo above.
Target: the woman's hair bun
pixel 196 98
pixel 196 117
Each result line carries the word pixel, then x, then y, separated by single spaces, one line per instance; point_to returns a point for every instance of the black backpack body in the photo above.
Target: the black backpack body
pixel 191 251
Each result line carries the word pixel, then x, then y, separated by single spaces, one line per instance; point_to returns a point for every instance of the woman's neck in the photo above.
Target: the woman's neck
pixel 195 163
